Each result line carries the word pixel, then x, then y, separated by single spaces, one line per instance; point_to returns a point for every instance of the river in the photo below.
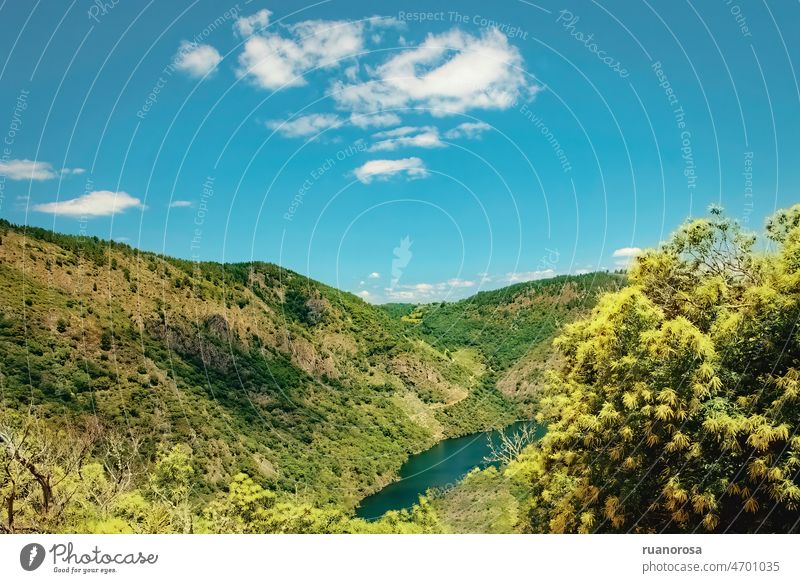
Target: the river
pixel 442 465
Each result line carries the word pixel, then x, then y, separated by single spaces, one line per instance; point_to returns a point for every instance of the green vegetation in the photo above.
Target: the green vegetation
pixel 52 482
pixel 505 323
pixel 314 395
pixel 147 394
pixel 677 403
pixel 482 503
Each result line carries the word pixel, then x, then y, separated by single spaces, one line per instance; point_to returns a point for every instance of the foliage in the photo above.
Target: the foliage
pixel 53 484
pixel 190 374
pixel 677 403
pixel 483 502
pixel 506 323
pixel 483 408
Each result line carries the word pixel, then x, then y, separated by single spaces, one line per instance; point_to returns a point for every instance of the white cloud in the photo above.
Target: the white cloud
pixel 351 72
pixel 33 170
pixel 247 25
pixel 399 295
pixel 627 252
pixel 625 256
pixel 305 125
pixel 374 275
pixel 273 61
pixel 520 276
pixel 423 137
pixel 100 203
pixel 401 131
pixel 364 294
pixel 470 130
pixel 460 283
pixel 196 60
pixel 175 204
pixel 315 123
pixel 428 291
pixel 380 120
pixel 449 72
pixel 383 169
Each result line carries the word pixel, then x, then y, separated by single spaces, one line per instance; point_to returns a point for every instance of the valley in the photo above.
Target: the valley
pixel 258 370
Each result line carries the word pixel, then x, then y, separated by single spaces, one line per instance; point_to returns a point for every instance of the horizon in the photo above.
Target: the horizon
pixel 23 228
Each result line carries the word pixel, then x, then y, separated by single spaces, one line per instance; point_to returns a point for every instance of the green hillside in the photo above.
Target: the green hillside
pixel 147 394
pixel 674 407
pixel 256 369
pixel 510 330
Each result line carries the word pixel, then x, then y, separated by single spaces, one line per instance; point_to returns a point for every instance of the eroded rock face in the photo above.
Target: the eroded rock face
pixel 306 356
pixel 217 324
pixel 425 380
pixel 190 342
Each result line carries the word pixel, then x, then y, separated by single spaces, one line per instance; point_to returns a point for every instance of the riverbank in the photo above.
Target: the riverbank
pixel 439 467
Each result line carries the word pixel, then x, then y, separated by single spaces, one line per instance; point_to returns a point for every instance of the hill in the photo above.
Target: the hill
pixel 674 407
pixel 511 331
pixel 258 370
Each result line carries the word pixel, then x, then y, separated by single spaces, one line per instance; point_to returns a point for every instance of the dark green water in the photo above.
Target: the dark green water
pixel 442 465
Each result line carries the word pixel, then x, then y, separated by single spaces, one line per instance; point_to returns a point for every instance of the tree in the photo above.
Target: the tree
pixel 38 469
pixel 170 484
pixel 677 404
pixel 509 446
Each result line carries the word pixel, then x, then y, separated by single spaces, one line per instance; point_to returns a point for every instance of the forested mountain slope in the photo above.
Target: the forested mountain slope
pixel 674 407
pixel 511 329
pixel 257 368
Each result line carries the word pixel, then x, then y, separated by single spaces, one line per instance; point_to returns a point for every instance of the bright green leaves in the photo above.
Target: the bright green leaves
pixel 679 398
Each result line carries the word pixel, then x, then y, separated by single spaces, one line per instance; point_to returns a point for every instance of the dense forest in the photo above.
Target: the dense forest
pixel 677 406
pixel 146 394
pixel 142 393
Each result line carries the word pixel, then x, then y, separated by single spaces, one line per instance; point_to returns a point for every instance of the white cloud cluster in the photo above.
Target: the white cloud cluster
pixel 33 170
pixel 521 276
pixel 196 60
pixel 407 136
pixel 273 61
pixel 470 130
pixel 305 125
pixel 100 203
pixel 421 292
pixel 384 169
pixel 176 204
pixel 627 252
pixel 374 120
pixel 448 73
pixel 625 256
pixel 315 123
pixel 423 136
pixel 247 25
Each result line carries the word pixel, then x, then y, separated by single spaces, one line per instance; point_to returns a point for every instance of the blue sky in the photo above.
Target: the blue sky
pixel 404 151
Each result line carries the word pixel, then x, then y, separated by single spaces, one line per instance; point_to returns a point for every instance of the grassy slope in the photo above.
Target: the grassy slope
pixel 482 503
pixel 261 370
pixel 306 388
pixel 510 330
